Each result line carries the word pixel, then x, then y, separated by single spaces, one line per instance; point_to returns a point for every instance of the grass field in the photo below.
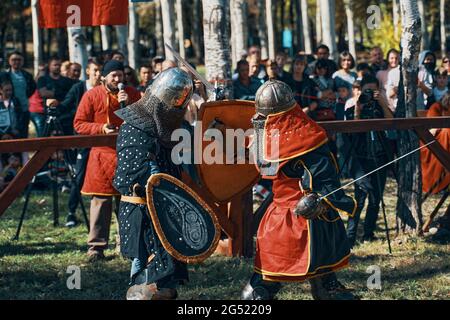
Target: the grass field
pixel 35 267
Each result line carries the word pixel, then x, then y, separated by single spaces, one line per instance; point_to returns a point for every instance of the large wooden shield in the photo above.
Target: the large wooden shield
pixel 224 181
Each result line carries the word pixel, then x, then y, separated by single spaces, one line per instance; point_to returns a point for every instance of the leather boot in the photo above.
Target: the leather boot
pixel 258 289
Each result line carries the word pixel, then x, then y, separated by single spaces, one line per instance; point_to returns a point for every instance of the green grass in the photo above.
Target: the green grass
pixel 35 266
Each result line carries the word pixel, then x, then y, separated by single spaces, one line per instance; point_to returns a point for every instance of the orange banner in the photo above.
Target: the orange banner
pixel 72 13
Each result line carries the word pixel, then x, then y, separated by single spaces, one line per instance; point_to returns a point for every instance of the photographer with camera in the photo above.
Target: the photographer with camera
pixel 53 88
pixel 70 103
pixel 369 151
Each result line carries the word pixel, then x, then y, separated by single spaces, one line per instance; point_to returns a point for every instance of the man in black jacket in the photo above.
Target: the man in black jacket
pixel 23 87
pixel 69 106
pixel 53 88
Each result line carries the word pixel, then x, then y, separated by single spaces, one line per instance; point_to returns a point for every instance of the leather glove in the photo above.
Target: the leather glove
pixel 310 206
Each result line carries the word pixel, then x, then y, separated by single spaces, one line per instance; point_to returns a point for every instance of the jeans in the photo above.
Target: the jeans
pixel 38 120
pixel 23 121
pixel 375 194
pixel 77 183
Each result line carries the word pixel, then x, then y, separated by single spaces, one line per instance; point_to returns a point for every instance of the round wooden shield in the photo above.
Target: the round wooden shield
pixel 225 180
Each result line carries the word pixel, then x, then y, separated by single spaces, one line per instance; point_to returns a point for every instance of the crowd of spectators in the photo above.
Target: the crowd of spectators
pixel 345 89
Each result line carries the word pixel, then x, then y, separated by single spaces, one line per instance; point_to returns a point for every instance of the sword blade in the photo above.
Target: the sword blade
pixel 208 85
pixel 384 165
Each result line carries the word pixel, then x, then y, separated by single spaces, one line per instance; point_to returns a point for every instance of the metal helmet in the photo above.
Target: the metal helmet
pixel 173 87
pixel 274 96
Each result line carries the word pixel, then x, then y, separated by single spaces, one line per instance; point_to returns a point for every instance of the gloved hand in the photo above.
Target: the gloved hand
pixel 310 206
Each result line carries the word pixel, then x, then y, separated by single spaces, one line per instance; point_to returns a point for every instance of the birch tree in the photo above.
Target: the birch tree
pixel 396 16
pixel 350 26
pixel 409 214
pixel 159 30
pixel 238 30
pixel 442 28
pixel 217 47
pixel 306 30
pixel 122 40
pixel 262 29
pixel 328 26
pixel 270 26
pixel 319 38
pixel 77 48
pixel 37 38
pixel 133 36
pixel 106 38
pixel 179 9
pixel 424 45
pixel 168 12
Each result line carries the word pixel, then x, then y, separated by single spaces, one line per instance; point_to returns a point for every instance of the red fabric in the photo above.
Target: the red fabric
pixel 95 109
pixel 434 176
pixel 59 13
pixel 36 103
pixel 283 240
pixel 297 134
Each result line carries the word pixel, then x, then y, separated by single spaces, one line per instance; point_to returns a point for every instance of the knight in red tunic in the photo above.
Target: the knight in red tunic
pixel 292 151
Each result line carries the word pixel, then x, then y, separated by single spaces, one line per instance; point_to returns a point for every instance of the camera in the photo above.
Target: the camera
pixel 366 97
pixel 368 104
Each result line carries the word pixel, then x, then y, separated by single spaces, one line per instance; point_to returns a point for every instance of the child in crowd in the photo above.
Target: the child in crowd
pixel 441 87
pixel 343 95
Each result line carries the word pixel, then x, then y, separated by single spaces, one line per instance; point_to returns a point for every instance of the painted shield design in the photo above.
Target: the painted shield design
pixel 187 227
pixel 225 180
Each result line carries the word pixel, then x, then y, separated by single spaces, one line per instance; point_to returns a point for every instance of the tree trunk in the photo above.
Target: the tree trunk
pixel 396 16
pixel 238 30
pixel 306 30
pixel 133 36
pixel 262 29
pixel 299 26
pixel 23 35
pixel 63 44
pixel 270 31
pixel 409 214
pixel 106 38
pixel 350 26
pixel 443 35
pixel 217 53
pixel 122 40
pixel 328 26
pixel 197 31
pixel 3 45
pixel 159 30
pixel 319 34
pixel 180 27
pixel 77 48
pixel 424 45
pixel 167 11
pixel 279 35
pixel 37 38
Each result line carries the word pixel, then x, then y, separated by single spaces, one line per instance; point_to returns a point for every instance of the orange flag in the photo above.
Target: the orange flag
pixel 71 13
